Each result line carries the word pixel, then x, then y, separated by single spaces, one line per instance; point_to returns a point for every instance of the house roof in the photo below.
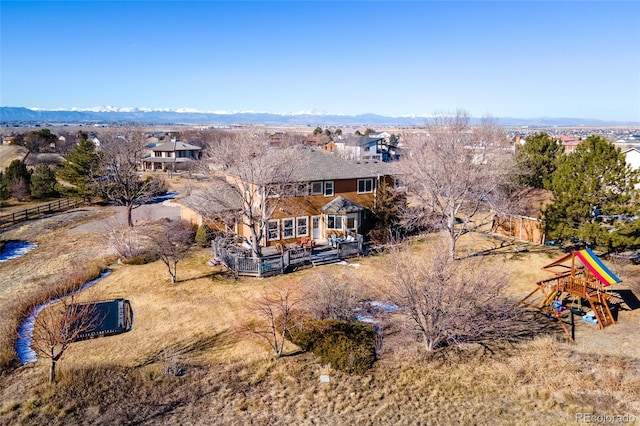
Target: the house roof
pixel 360 141
pixel 318 166
pixel 152 159
pixel 216 198
pixel 341 205
pixel 175 146
pixel 632 149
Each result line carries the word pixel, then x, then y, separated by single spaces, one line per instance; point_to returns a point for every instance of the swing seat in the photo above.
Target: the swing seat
pixel 577 310
pixel 590 317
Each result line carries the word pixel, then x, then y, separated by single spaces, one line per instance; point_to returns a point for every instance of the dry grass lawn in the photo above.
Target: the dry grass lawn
pixel 8 153
pixel 232 378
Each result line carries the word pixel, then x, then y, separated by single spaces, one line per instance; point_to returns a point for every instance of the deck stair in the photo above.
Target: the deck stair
pixel 325 260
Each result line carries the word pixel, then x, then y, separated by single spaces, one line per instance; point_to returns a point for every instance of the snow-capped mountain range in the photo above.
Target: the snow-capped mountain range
pixel 111 114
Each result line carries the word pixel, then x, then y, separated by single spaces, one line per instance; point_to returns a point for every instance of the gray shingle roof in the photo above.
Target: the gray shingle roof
pixel 318 166
pixel 216 198
pixel 176 146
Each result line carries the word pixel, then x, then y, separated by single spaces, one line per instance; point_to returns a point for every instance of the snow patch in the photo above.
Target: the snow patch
pixel 13 249
pixel 25 331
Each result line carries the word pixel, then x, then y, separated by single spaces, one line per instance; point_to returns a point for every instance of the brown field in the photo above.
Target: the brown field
pixel 8 153
pixel 232 378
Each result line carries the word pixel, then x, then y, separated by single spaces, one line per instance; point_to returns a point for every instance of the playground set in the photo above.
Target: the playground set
pixel 579 276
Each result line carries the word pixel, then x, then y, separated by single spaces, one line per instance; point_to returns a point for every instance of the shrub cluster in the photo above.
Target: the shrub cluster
pixel 346 345
pixel 204 235
pixel 141 259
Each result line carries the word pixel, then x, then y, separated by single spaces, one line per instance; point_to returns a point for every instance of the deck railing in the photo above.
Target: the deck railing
pixel 241 262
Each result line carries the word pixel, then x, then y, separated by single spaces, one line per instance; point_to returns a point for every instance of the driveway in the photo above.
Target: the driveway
pixel 166 209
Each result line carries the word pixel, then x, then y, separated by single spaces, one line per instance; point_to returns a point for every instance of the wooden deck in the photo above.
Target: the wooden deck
pixel 273 262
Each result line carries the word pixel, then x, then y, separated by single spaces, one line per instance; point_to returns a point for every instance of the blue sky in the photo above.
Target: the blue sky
pixel 505 59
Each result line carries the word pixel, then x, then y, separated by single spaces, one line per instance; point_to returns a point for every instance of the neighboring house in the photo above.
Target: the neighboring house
pixel 329 197
pixel 172 155
pixel 632 157
pixel 569 143
pixel 367 148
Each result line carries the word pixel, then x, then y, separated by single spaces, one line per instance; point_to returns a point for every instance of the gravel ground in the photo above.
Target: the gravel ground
pixel 168 209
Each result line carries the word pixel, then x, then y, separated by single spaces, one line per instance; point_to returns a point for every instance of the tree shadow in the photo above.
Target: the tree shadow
pixel 628 298
pixel 514 248
pixel 211 275
pixel 218 341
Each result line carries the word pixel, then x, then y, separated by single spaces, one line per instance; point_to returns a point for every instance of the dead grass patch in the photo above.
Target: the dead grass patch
pixel 233 379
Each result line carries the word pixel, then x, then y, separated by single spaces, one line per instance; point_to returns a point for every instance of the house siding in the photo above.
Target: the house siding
pixel 310 205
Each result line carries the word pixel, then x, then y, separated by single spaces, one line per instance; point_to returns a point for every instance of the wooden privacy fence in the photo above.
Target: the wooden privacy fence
pixel 38 211
pixel 522 227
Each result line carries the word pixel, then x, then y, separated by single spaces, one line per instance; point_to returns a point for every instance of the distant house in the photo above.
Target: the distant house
pixel 173 155
pixel 378 147
pixel 569 143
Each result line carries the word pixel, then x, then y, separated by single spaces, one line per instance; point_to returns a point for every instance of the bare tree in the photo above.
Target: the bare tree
pixel 330 297
pixel 248 181
pixel 171 240
pixel 125 241
pixel 274 316
pixel 448 302
pixel 59 325
pixel 20 189
pixel 119 180
pixel 456 172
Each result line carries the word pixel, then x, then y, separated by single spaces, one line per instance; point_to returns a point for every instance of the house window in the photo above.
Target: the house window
pixel 287 228
pixel 351 222
pixel 328 188
pixel 273 230
pixel 289 190
pixel 365 186
pixel 157 154
pixel 303 189
pixel 334 221
pixel 316 188
pixel 302 226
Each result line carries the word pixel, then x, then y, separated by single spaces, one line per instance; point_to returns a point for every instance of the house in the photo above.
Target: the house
pixel 632 157
pixel 379 147
pixel 569 143
pixel 327 197
pixel 172 155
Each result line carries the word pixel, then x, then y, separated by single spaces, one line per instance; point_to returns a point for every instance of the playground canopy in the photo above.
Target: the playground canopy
pixel 597 268
pixel 593 263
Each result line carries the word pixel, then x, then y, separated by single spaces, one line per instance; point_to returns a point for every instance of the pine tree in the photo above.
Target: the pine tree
pixel 592 182
pixel 78 167
pixel 537 159
pixel 43 182
pixel 5 194
pixel 16 179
